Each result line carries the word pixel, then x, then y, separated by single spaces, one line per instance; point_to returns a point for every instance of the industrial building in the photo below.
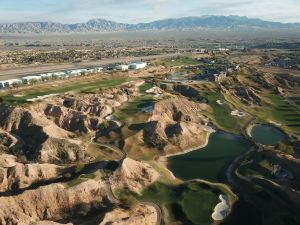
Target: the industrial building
pixel 45 76
pixel 30 79
pixel 122 67
pixel 10 83
pixel 27 80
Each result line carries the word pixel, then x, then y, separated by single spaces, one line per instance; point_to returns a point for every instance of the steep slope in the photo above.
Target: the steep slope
pixel 59 201
pixel 176 125
pixel 134 175
pixel 141 214
pixel 52 202
pixel 43 140
pixel 15 175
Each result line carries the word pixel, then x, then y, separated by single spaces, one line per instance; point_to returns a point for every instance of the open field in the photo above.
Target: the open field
pixel 178 61
pixel 88 85
pixel 181 38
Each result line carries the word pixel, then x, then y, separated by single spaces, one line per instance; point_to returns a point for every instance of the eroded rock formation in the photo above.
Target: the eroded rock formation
pixel 176 124
pixel 141 214
pixel 134 175
pixel 15 175
pixel 43 140
pixel 52 202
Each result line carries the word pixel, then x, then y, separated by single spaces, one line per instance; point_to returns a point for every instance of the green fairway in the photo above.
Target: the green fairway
pixel 221 113
pixel 129 109
pixel 191 203
pixel 284 113
pixel 198 203
pixel 77 87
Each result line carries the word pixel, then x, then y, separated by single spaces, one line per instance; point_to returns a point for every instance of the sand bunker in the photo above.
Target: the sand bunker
pixel 154 90
pixel 237 113
pixel 220 102
pixel 220 211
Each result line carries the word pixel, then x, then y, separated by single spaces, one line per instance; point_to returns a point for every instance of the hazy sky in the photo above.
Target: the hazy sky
pixel 134 11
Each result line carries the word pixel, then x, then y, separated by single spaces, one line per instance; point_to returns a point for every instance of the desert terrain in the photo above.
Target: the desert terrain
pixel 189 139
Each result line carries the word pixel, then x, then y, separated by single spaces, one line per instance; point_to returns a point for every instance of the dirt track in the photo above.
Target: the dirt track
pixel 12 73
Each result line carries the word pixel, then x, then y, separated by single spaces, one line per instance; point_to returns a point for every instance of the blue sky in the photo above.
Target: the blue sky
pixel 134 11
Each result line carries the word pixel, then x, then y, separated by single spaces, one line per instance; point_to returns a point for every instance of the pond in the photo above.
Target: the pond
pixel 209 163
pixel 268 135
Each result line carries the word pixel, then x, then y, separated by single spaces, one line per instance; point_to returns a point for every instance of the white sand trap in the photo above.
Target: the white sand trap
pixel 237 113
pixel 275 123
pixel 111 117
pixel 220 211
pixel 40 97
pixel 220 102
pixel 18 96
pixel 154 90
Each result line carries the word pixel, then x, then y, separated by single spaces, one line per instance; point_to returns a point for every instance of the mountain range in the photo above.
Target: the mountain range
pixel 184 23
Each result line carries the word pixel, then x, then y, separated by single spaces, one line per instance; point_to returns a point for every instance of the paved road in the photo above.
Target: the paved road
pixel 12 73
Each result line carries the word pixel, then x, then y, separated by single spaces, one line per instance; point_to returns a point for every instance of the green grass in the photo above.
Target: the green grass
pixel 195 198
pixel 221 113
pixel 143 88
pixel 284 113
pixel 190 203
pixel 78 87
pixel 178 61
pixel 131 108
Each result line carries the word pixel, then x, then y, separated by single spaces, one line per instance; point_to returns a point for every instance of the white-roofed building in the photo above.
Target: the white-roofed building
pixel 122 67
pixel 10 83
pixel 46 76
pixel 137 65
pixel 30 79
pixel 99 69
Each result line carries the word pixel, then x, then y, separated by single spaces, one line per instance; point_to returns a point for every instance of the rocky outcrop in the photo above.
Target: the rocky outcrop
pixel 188 91
pixel 84 113
pixel 59 201
pixel 53 202
pixel 43 140
pixel 134 176
pixel 247 95
pixel 15 175
pixel 176 124
pixel 5 141
pixel 67 119
pixel 141 214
